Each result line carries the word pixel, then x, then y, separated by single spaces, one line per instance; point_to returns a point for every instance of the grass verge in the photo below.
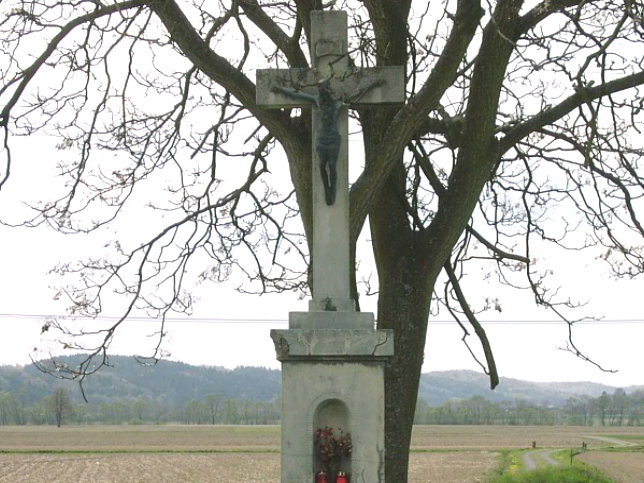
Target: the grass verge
pixel 510 470
pixel 509 462
pixel 567 474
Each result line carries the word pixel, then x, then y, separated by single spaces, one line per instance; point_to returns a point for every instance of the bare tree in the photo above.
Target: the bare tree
pixel 212 403
pixel 59 404
pixel 513 109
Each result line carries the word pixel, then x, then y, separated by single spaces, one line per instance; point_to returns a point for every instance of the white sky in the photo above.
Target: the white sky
pixel 233 329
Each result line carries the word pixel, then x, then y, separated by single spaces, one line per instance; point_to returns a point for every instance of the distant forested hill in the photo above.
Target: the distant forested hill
pixel 438 387
pixel 166 382
pixel 176 383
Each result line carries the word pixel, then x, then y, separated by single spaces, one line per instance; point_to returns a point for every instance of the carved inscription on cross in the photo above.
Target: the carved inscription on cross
pixel 330 88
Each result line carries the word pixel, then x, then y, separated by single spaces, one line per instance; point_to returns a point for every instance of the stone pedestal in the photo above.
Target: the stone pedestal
pixel 332 376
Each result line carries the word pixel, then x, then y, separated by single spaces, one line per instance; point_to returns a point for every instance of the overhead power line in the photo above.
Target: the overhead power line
pixel 109 318
pixel 281 321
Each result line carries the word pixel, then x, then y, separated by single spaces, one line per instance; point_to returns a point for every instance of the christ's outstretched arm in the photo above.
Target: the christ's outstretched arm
pixel 358 93
pixel 295 94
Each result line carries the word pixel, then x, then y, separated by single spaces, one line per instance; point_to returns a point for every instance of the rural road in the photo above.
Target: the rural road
pixel 530 458
pixel 615 442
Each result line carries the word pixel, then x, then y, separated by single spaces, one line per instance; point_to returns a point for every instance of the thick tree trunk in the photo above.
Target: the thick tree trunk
pixel 403 307
pixel 409 259
pixel 406 275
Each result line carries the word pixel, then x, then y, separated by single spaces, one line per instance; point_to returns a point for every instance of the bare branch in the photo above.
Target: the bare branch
pixel 478 328
pixel 218 68
pixel 288 45
pixel 404 125
pixel 29 73
pixel 552 114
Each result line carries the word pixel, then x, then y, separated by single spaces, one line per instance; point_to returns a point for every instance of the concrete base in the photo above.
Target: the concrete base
pixel 333 375
pixel 346 396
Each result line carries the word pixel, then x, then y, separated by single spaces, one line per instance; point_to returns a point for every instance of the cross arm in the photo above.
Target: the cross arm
pixel 278 88
pixel 377 85
pixel 295 94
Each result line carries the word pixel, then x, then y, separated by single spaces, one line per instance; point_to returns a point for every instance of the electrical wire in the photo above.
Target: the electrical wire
pixel 265 321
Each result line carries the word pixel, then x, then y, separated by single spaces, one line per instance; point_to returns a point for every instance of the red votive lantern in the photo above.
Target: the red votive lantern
pixel 341 478
pixel 321 477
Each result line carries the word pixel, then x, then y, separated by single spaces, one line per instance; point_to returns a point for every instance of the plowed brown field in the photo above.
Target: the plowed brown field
pixel 212 467
pixel 626 467
pixel 249 454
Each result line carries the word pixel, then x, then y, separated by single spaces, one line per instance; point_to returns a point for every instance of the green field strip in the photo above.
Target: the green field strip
pixel 512 470
pixel 452 450
pixel 626 437
pixel 637 448
pixel 137 451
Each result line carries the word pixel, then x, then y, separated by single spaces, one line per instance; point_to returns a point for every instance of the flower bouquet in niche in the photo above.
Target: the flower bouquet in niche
pixel 332 449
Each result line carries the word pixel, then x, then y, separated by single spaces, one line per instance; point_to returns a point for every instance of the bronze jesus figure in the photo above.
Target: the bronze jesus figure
pixel 327 137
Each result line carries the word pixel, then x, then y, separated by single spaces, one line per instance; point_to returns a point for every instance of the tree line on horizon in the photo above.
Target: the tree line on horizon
pixel 60 408
pixel 174 392
pixel 617 409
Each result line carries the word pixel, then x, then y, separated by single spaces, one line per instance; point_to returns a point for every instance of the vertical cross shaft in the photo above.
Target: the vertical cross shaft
pixel 330 257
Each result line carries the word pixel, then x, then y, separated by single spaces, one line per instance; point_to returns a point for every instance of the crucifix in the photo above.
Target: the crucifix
pixel 330 88
pixel 332 357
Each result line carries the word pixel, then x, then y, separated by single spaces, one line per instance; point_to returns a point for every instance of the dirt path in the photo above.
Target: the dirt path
pixel 530 458
pixel 615 442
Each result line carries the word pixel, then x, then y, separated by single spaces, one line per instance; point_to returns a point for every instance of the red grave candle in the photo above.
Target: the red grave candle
pixel 341 478
pixel 321 477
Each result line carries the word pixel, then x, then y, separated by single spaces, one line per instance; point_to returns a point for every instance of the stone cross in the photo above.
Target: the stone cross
pixel 332 69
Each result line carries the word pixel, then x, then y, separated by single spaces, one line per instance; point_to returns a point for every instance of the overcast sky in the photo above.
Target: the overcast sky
pixel 231 329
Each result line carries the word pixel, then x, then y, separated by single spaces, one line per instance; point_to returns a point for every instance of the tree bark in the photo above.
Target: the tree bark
pixel 410 259
pixel 406 282
pixel 404 307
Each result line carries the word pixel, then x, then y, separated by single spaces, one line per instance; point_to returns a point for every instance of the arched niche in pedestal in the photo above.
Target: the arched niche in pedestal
pixel 334 414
